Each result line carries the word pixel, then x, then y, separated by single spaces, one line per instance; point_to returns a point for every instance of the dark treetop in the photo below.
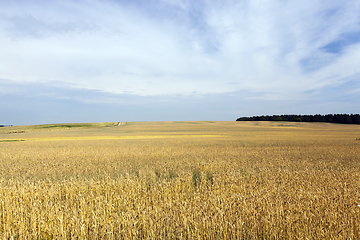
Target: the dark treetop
pixel 329 118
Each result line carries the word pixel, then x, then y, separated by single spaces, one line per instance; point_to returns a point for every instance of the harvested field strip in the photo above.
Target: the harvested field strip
pixel 122 137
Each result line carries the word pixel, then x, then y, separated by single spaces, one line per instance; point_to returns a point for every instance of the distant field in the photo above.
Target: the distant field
pixel 180 180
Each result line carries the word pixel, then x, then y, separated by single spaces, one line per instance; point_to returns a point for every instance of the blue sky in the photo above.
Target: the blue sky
pixel 154 60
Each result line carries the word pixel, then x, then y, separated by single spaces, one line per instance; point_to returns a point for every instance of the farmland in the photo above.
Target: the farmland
pixel 180 180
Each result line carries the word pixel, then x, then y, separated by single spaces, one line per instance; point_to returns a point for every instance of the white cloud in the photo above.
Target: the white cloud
pixel 179 47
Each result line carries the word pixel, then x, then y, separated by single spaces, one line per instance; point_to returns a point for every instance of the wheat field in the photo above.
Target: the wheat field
pixel 180 180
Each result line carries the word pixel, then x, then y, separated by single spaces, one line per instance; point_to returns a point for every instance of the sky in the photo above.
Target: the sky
pixel 176 60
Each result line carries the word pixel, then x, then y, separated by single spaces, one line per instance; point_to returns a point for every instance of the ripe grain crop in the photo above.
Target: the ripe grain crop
pixel 209 180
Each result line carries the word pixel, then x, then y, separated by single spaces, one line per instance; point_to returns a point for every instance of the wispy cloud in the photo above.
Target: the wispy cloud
pixel 270 50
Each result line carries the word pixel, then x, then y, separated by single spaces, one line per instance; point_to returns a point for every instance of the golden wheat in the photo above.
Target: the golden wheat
pixel 247 181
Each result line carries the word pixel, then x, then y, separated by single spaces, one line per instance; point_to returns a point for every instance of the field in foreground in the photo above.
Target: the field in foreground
pixel 180 180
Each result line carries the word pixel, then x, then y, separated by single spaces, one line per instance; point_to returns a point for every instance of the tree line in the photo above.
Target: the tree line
pixel 329 118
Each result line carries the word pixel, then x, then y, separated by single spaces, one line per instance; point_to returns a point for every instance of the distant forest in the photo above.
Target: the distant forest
pixel 329 118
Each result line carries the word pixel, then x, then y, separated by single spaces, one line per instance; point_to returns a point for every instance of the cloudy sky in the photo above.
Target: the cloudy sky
pixel 153 60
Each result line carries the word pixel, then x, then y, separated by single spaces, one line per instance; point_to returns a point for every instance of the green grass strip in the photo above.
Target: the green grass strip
pixel 12 140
